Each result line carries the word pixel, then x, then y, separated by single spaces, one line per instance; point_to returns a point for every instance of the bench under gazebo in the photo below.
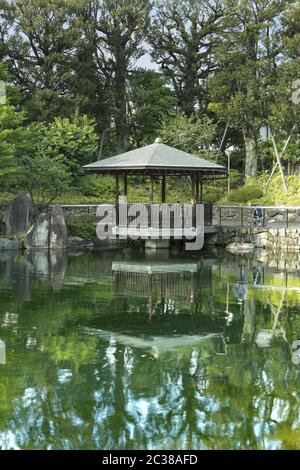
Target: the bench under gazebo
pixel 157 161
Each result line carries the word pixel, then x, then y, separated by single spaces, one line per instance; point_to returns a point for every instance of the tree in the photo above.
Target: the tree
pixel 248 59
pixel 44 177
pixel 39 40
pixel 183 36
pixel 282 104
pixel 117 30
pixel 11 136
pixel 191 134
pixel 72 139
pixel 151 101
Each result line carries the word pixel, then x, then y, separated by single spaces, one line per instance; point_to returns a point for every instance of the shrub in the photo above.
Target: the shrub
pixel 98 186
pixel 83 226
pixel 245 195
pixel 212 194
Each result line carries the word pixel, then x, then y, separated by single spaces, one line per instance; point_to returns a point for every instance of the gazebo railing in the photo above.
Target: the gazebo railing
pixel 145 219
pixel 92 209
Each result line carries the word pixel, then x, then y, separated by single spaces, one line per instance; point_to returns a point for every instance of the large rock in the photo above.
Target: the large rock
pixel 58 238
pixel 49 232
pixel 8 244
pixel 19 215
pixel 37 236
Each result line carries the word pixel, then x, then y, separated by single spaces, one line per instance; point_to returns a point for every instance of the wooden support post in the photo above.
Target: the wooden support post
pixel 125 186
pixel 201 191
pixel 193 187
pixel 163 189
pixel 193 178
pixel 197 189
pixel 151 189
pixel 117 198
pixel 228 171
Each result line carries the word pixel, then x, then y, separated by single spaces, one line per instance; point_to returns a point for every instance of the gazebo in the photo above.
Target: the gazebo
pixel 157 161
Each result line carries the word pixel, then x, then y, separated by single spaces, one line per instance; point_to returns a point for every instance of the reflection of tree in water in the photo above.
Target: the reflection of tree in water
pixel 73 390
pixel 188 399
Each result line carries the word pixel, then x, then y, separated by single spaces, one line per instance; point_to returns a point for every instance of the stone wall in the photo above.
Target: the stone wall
pixel 233 216
pixel 276 239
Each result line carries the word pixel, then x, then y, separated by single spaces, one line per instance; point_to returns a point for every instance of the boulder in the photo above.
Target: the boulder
pixel 19 215
pixel 37 236
pixel 240 247
pixel 49 232
pixel 8 244
pixel 58 237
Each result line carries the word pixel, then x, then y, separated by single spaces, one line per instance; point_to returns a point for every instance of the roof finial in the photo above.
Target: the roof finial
pixel 158 140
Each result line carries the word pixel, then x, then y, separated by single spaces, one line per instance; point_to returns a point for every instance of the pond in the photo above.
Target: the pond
pixel 127 350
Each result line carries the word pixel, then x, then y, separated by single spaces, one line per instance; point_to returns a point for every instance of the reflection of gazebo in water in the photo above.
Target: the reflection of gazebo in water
pixel 158 161
pixel 161 279
pixel 162 282
pixel 155 306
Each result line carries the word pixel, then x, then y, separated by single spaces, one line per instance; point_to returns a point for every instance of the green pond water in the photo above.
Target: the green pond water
pixel 127 350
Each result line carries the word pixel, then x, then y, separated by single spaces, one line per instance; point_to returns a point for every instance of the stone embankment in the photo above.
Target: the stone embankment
pixel 275 239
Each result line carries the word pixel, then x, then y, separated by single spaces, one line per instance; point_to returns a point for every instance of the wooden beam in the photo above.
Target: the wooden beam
pixel 280 156
pixel 279 164
pixel 221 148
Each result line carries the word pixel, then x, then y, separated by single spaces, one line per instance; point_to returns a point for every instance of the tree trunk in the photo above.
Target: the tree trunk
pixel 120 103
pixel 251 156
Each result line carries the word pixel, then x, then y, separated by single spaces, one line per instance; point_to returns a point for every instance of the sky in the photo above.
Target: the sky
pixel 146 62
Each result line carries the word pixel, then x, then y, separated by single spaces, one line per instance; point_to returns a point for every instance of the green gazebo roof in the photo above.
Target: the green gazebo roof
pixel 156 158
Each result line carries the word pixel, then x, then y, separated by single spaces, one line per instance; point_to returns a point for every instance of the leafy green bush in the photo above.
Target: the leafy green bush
pixel 83 226
pixel 98 186
pixel 245 194
pixel 6 196
pixel 236 179
pixel 212 194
